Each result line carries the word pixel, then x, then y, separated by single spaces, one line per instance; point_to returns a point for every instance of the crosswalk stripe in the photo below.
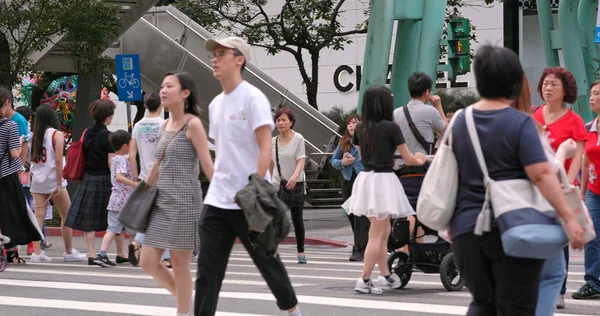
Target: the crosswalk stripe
pixel 309 255
pixel 466 294
pixel 113 308
pixel 129 276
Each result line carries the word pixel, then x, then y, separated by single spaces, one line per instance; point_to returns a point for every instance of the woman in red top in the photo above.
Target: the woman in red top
pixel 557 87
pixel 591 184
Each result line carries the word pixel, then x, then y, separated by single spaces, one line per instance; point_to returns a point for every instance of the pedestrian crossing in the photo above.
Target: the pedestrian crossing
pixel 325 286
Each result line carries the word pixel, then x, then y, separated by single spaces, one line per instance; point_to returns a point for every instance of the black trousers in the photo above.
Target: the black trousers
pixel 412 187
pixel 218 230
pixel 500 285
pixel 360 224
pixel 564 287
pixel 298 222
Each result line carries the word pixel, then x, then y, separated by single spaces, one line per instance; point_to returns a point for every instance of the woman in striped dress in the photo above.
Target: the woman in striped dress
pixel 173 222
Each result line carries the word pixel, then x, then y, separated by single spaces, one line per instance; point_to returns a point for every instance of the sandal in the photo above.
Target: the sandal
pixel 167 263
pixel 12 256
pixel 134 254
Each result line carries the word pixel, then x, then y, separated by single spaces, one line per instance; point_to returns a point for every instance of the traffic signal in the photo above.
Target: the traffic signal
pixel 459 47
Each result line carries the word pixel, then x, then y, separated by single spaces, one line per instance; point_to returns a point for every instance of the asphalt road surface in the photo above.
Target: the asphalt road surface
pixel 325 286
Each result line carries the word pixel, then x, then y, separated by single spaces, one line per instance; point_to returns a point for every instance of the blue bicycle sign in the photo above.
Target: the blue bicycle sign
pixel 128 77
pixel 129 80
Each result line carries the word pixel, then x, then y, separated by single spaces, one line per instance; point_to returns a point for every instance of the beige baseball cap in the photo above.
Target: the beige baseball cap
pixel 230 42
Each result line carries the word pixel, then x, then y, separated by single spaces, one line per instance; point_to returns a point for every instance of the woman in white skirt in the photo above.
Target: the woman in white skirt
pixel 377 192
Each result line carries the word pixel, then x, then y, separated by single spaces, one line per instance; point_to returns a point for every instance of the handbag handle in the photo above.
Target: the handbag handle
pixel 153 173
pixel 484 219
pixel 277 157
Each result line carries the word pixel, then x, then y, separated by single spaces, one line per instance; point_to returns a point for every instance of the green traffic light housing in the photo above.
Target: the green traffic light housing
pixel 459 47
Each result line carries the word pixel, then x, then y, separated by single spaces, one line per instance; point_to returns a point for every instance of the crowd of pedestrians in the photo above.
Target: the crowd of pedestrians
pixel 517 140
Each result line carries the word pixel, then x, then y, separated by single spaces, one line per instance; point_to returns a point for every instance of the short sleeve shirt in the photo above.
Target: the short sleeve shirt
pixel 9 139
pixel 510 142
pixel 427 120
pixel 592 151
pixel 146 134
pixel 233 120
pixel 120 191
pixel 289 154
pixel 377 149
pixel 568 126
pixel 21 123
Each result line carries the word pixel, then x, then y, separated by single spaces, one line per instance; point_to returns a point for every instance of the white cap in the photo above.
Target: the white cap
pixel 229 42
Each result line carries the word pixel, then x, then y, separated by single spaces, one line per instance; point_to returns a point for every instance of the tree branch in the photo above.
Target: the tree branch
pixel 363 31
pixel 335 13
pixel 302 67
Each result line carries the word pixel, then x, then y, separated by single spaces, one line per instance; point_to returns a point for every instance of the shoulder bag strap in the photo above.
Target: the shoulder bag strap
pixel 277 157
pixel 162 154
pixel 426 145
pixel 484 219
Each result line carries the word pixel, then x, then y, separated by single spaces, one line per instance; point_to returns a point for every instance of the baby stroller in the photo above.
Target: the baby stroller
pixel 428 258
pixel 3 260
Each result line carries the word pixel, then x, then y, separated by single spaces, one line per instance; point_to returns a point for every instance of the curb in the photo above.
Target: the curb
pixel 311 241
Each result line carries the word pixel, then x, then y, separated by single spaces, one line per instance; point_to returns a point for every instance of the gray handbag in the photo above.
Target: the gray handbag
pixel 136 212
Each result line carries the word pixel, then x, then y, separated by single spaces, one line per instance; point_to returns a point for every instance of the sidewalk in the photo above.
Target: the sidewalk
pixel 324 227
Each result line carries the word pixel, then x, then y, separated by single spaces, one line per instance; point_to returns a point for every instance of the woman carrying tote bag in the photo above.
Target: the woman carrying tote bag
pixel 512 150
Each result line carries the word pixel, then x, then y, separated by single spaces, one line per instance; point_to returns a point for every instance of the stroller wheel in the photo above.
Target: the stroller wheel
pixel 398 264
pixel 450 275
pixel 3 263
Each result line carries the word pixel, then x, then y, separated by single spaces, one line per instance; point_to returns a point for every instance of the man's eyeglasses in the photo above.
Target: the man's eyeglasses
pixel 220 54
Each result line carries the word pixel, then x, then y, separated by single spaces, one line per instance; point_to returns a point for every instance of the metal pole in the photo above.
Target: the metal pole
pixel 405 59
pixel 377 50
pixel 544 8
pixel 573 54
pixel 587 25
pixel 432 28
pixel 129 127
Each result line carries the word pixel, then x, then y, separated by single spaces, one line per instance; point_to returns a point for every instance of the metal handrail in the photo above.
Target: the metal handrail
pixel 253 73
pixel 311 145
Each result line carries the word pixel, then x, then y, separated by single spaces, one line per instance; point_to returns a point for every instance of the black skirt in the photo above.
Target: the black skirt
pixel 16 221
pixel 88 211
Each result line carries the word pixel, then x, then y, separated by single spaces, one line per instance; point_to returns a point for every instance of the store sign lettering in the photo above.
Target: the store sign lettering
pixel 356 75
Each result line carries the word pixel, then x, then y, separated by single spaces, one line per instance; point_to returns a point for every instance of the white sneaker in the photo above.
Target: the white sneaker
pixel 393 283
pixel 75 256
pixel 41 258
pixel 382 283
pixel 367 288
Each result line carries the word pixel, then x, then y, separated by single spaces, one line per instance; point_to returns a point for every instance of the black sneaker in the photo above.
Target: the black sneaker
pixel 357 254
pixel 586 292
pixel 103 261
pixel 91 261
pixel 122 260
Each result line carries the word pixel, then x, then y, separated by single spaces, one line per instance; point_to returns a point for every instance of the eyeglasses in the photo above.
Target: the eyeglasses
pixel 220 54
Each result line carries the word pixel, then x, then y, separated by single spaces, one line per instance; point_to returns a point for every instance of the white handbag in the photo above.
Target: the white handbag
pixel 437 198
pixel 582 215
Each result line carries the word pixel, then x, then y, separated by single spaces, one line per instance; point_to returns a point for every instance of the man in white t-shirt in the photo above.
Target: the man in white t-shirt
pixel 240 123
pixel 144 139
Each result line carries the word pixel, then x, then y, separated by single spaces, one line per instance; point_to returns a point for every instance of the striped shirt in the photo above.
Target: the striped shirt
pixel 9 139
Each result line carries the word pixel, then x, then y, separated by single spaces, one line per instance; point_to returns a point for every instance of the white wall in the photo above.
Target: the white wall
pixel 283 68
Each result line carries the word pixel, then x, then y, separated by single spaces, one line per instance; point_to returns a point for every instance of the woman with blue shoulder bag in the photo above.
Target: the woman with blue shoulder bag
pixel 504 143
pixel 347 159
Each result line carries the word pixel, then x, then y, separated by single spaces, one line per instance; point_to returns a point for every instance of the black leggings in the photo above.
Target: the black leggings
pixel 298 221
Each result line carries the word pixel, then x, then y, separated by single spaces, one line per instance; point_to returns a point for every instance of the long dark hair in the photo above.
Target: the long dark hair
pixel 345 140
pixel 187 83
pixel 378 104
pixel 45 117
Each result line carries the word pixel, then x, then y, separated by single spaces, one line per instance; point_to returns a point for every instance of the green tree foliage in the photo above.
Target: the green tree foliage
pixel 27 26
pixel 299 27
